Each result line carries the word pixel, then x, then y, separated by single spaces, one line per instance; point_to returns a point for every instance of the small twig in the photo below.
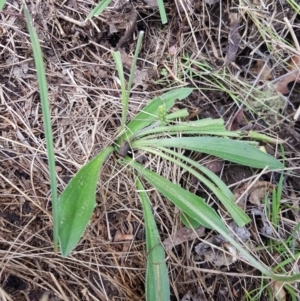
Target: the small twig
pixel 61 31
pixel 291 30
pixel 79 23
pixel 297 114
pixel 173 75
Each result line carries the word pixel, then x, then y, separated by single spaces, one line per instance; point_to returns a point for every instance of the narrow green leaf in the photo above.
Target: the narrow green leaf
pixel 149 114
pixel 77 202
pixel 162 11
pixel 262 137
pixel 124 95
pixel 200 127
pixel 217 186
pixel 188 221
pixel 126 92
pixel 235 151
pixel 178 114
pixel 99 8
pixel 157 280
pixel 41 76
pixel 186 201
pixel 2 3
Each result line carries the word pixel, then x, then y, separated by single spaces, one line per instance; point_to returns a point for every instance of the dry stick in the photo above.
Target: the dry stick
pixel 190 24
pixel 292 32
pixel 173 75
pixel 79 23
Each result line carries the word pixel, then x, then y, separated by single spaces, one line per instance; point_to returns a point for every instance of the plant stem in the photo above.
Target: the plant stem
pixel 131 76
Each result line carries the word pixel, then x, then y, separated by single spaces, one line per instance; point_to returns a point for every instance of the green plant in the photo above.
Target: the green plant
pixel 99 8
pixel 154 130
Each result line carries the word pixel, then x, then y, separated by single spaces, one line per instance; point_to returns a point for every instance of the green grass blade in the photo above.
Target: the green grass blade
pixel 157 280
pixel 221 191
pixel 2 3
pixel 191 204
pixel 235 151
pixel 262 137
pixel 124 95
pixel 77 202
pixel 126 92
pixel 133 65
pixel 276 199
pixel 149 114
pixel 38 59
pixel 162 11
pixel 294 5
pixel 99 8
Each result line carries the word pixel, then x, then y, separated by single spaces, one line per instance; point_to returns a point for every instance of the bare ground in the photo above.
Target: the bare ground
pixel 244 45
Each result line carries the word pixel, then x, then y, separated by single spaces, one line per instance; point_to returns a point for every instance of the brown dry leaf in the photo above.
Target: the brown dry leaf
pixel 241 232
pixel 263 226
pixel 254 194
pixel 96 71
pixel 182 235
pixel 262 69
pixel 216 255
pixel 293 75
pixel 126 59
pixel 141 78
pixel 278 290
pixel 233 38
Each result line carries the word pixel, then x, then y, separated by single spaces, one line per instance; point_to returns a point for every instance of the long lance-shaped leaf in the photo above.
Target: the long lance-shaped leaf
pixel 191 204
pixel 157 280
pixel 235 151
pixel 77 202
pixel 41 75
pixel 200 127
pixel 224 195
pixel 148 114
pixel 198 215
